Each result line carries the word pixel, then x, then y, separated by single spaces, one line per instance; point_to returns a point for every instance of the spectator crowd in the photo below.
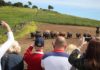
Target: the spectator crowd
pixel 86 56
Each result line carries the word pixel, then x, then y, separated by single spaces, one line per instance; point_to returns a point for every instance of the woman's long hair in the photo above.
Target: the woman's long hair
pixel 93 55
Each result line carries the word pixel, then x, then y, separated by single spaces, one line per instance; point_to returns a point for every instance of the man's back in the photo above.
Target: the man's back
pixel 56 61
pixel 33 60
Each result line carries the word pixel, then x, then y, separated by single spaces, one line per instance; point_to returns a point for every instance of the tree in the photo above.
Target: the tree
pixel 50 7
pixel 26 6
pixel 34 7
pixel 29 3
pixel 18 4
pixel 9 3
pixel 2 3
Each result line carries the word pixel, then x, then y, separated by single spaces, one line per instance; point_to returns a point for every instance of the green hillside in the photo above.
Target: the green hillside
pixel 17 16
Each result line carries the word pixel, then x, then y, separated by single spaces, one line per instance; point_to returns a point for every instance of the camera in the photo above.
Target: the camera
pixel 87 36
pixel 88 39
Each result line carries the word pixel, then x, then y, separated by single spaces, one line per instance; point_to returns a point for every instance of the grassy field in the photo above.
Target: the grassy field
pixel 16 16
pixel 56 18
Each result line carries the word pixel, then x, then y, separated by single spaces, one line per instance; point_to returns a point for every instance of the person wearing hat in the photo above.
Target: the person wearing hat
pixel 33 60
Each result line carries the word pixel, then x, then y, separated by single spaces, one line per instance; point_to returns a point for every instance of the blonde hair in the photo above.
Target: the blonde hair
pixel 15 48
pixel 70 48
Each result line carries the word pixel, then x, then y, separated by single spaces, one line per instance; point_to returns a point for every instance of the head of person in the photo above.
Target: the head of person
pixel 15 48
pixel 93 48
pixel 39 43
pixel 93 53
pixel 60 43
pixel 70 48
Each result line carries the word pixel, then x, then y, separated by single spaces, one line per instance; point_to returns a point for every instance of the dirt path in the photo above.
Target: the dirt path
pixel 26 41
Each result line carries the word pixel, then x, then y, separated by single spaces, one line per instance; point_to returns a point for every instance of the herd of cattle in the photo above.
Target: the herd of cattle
pixel 52 34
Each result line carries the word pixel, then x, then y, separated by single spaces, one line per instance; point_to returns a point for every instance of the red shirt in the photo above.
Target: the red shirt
pixel 33 60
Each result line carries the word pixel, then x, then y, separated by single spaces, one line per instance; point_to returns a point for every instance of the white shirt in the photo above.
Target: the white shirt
pixel 56 61
pixel 4 47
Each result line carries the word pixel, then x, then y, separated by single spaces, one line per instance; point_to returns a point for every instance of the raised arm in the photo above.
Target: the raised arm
pixel 28 54
pixel 4 47
pixel 75 58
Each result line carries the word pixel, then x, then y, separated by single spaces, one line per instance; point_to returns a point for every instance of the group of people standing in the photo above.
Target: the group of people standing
pixel 57 59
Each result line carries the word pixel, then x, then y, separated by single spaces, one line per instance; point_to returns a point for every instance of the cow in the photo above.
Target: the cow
pixel 78 35
pixel 84 34
pixel 46 34
pixel 62 34
pixel 32 34
pixel 52 34
pixel 69 35
pixel 38 34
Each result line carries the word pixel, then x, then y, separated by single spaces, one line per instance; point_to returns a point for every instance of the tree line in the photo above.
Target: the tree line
pixel 19 4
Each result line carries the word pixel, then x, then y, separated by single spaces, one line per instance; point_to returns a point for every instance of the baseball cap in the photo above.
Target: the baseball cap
pixel 39 42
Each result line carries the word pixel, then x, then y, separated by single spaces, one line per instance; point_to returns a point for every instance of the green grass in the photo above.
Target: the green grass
pixel 30 27
pixel 56 18
pixel 15 15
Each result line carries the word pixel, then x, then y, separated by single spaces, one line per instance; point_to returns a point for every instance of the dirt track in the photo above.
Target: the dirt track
pixel 26 41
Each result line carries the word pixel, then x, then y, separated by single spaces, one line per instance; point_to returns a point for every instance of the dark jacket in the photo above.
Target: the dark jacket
pixel 80 63
pixel 12 61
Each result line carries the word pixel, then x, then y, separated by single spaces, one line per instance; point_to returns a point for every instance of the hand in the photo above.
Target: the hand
pixel 32 45
pixel 83 45
pixel 4 24
pixel 82 41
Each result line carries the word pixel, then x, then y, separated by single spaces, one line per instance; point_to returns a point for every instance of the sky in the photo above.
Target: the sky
pixel 82 8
